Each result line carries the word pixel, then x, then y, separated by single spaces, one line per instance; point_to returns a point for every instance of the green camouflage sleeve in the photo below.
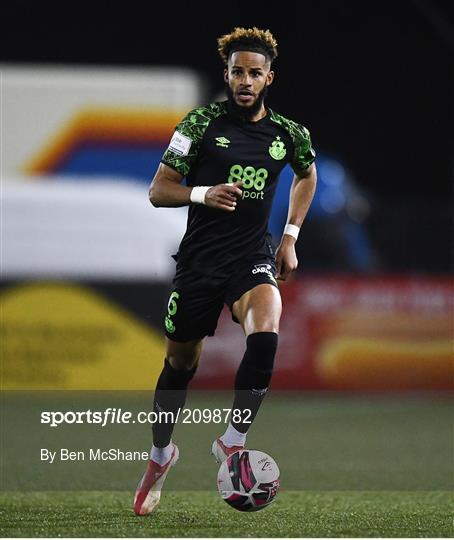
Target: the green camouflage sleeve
pixel 185 143
pixel 304 154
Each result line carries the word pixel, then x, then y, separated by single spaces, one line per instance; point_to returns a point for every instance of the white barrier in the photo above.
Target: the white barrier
pixel 86 230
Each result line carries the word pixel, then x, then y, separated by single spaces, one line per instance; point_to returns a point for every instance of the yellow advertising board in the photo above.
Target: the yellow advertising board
pixel 65 336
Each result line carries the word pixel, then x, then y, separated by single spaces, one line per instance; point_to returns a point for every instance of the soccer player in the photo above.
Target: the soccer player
pixel 231 154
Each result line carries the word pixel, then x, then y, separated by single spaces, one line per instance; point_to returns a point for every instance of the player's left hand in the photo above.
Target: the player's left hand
pixel 286 260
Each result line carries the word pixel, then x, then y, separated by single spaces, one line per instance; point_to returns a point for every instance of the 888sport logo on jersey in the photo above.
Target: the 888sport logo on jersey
pixel 253 179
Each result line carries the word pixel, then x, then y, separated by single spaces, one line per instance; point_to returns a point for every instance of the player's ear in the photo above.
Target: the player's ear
pixel 226 75
pixel 269 77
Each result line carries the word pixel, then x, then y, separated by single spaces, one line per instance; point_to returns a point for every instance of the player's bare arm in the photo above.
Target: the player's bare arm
pixel 167 190
pixel 301 195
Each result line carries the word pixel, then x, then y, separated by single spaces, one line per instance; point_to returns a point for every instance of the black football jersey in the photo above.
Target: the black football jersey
pixel 211 146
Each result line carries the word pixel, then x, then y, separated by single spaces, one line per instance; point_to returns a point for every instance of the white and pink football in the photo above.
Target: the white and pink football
pixel 248 480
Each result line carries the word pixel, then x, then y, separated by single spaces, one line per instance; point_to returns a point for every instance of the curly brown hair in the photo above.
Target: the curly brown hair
pixel 249 39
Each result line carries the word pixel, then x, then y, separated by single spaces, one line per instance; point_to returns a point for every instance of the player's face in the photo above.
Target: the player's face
pixel 247 75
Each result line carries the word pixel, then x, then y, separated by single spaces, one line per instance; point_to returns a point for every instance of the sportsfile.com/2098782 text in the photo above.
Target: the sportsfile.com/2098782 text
pixel 113 415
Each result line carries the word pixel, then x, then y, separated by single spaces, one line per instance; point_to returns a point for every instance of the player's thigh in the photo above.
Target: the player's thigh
pixel 183 355
pixel 259 309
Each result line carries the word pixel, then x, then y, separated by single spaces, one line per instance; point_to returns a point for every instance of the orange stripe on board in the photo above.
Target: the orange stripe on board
pixel 104 124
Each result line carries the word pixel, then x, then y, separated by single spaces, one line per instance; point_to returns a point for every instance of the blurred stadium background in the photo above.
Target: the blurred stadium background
pixel 87 110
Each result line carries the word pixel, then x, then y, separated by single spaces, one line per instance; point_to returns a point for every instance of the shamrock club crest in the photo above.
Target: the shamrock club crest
pixel 277 149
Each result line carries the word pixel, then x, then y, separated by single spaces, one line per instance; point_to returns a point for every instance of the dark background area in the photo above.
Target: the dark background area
pixel 371 80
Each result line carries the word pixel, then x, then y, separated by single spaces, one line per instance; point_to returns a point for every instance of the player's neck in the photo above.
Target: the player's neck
pixel 261 114
pixel 237 113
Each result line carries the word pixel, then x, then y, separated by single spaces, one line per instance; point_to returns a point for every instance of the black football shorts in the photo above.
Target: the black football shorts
pixel 196 300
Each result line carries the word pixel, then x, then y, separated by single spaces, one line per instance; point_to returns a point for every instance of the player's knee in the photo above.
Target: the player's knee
pixel 183 362
pixel 174 378
pixel 184 356
pixel 269 326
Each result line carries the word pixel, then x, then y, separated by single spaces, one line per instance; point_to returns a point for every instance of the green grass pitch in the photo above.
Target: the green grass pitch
pixel 203 514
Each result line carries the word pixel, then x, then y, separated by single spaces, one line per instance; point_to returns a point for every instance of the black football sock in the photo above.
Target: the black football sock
pixel 252 378
pixel 169 397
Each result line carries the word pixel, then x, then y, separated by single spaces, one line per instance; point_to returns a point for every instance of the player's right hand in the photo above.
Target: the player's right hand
pixel 224 196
